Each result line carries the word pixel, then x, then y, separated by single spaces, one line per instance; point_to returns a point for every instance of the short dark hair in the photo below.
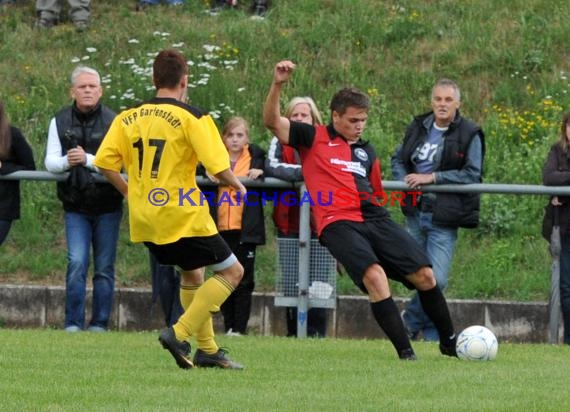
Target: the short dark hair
pixel 349 97
pixel 168 68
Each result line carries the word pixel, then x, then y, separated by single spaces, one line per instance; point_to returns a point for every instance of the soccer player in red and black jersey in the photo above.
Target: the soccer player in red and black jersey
pixel 343 177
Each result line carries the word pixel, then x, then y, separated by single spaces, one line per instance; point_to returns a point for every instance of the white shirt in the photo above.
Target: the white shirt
pixel 55 162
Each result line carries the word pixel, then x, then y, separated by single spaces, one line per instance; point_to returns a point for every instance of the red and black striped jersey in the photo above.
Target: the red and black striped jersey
pixel 344 180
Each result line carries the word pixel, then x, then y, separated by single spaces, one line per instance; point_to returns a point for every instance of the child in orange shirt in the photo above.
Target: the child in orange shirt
pixel 240 221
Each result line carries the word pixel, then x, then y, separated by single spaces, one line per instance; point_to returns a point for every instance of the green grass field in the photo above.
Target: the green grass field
pixel 51 370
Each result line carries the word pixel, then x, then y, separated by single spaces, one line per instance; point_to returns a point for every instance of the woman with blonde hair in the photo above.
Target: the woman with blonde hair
pixel 283 163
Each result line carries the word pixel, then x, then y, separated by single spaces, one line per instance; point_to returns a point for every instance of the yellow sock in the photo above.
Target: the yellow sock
pixel 187 293
pixel 204 335
pixel 207 300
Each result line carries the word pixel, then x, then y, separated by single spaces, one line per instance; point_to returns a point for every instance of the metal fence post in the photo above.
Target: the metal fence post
pixel 304 256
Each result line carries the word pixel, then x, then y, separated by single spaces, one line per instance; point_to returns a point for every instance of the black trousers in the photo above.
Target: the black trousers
pixel 166 288
pixel 237 307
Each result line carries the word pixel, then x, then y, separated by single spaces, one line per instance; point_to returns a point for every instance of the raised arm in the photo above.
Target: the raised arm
pixel 272 118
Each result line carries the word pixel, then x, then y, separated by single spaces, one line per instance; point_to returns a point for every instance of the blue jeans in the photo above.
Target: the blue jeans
pixel 565 285
pixel 81 231
pixel 439 243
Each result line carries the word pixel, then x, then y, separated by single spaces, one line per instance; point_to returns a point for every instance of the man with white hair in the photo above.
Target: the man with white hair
pixel 92 211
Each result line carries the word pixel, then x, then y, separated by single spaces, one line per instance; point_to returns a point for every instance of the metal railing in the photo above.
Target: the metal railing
pixel 303 302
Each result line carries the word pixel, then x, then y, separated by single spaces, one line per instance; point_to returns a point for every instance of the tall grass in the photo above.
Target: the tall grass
pixel 509 57
pixel 55 371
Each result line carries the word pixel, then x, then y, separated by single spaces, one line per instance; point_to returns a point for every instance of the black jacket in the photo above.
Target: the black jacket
pixel 449 209
pixel 79 193
pixel 556 172
pixel 19 158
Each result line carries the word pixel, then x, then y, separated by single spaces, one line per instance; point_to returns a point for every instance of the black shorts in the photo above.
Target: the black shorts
pixel 191 253
pixel 358 245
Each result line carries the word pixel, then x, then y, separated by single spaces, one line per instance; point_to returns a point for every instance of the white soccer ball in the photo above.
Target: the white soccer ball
pixel 477 343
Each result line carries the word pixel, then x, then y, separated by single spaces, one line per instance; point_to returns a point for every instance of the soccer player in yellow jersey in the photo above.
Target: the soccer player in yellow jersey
pixel 159 143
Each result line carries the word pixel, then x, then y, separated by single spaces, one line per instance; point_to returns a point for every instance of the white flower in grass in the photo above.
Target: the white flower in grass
pixel 75 60
pixel 133 41
pixel 203 81
pixel 85 58
pixel 128 95
pixel 181 44
pixel 230 63
pixel 207 66
pixel 113 97
pixel 215 114
pixel 91 49
pixel 241 89
pixel 190 63
pixel 210 48
pixel 128 61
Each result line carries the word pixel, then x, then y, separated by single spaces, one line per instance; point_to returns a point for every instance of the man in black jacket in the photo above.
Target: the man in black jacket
pixel 440 147
pixel 92 211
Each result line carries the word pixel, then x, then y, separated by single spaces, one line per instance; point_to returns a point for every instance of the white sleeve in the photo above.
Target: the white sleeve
pixel 55 162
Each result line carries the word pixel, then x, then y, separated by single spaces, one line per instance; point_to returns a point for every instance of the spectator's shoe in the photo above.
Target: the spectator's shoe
pixel 72 329
pixel 449 348
pixel 407 354
pixel 44 24
pixel 80 25
pixel 215 360
pixel 96 329
pixel 179 350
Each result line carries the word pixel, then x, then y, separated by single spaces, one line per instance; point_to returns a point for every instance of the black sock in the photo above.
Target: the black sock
pixel 388 318
pixel 435 306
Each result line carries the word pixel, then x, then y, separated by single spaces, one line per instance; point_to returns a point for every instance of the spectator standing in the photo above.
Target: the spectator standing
pixel 283 163
pixel 160 143
pixel 439 147
pixel 556 172
pixel 360 234
pixel 49 11
pixel 92 211
pixel 15 154
pixel 240 222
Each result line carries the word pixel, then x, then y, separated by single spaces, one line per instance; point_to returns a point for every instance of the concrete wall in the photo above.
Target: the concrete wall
pixel 43 306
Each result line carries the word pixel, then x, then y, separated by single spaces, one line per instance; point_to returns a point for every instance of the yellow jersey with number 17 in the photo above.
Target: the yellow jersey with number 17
pixel 159 143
